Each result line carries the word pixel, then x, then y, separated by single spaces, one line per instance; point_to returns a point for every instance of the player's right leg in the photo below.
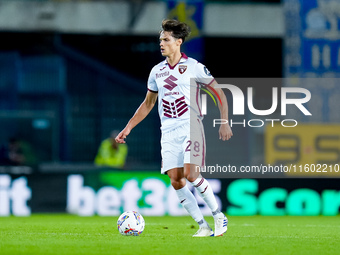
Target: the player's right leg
pixel 205 191
pixel 194 159
pixel 188 201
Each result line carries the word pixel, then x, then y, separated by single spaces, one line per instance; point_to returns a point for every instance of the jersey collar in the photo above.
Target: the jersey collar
pixel 183 59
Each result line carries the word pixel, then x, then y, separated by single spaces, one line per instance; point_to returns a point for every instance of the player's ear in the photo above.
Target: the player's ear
pixel 179 41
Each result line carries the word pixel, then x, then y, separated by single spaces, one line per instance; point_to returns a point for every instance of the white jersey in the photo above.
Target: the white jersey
pixel 175 98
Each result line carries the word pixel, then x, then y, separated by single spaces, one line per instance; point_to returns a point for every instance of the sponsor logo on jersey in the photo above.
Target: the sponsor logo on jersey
pixel 207 71
pixel 160 75
pixel 170 84
pixel 171 93
pixel 182 68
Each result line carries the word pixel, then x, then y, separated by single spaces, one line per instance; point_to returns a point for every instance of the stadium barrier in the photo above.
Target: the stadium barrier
pixel 109 193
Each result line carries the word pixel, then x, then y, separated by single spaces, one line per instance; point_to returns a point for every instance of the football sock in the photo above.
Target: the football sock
pixel 205 191
pixel 187 199
pixel 217 214
pixel 203 223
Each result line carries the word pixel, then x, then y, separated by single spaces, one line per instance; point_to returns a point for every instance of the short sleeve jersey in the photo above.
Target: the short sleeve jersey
pixel 178 95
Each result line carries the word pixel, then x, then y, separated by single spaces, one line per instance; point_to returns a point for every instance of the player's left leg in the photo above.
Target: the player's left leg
pixel 205 191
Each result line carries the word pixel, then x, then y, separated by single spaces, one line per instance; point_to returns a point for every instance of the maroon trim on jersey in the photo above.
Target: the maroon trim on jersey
pixel 152 91
pixel 203 141
pixel 183 56
pixel 211 82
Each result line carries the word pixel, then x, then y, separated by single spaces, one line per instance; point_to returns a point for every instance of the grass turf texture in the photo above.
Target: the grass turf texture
pixel 67 234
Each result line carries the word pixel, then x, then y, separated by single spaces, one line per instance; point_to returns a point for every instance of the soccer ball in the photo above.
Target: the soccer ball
pixel 131 223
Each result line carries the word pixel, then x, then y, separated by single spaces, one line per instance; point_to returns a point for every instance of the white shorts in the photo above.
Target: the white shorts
pixel 182 145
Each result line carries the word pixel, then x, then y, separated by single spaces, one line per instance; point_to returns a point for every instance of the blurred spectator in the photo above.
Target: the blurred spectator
pixel 18 153
pixel 111 153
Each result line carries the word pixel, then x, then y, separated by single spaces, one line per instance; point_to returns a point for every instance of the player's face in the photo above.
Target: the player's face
pixel 169 44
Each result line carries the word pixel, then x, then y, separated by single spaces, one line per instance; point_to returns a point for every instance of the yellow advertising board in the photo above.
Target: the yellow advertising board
pixel 306 149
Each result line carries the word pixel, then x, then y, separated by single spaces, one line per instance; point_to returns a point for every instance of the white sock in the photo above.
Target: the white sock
pixel 188 200
pixel 205 191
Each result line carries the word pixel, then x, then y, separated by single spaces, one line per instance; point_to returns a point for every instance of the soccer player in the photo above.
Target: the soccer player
pixel 182 142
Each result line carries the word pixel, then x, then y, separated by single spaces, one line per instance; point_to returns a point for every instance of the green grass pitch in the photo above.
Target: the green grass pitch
pixel 67 234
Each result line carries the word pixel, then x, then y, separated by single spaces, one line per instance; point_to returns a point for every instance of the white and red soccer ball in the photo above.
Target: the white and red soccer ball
pixel 131 223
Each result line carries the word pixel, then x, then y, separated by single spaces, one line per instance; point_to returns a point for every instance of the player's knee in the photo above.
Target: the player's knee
pixel 178 183
pixel 191 178
pixel 191 175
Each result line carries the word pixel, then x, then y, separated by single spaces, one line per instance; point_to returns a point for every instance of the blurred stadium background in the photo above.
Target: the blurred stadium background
pixel 73 71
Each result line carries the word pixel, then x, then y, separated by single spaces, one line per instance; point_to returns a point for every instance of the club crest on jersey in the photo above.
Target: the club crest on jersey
pixel 182 68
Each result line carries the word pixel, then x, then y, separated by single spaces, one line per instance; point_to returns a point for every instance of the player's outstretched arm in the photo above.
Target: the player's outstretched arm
pixel 142 111
pixel 225 132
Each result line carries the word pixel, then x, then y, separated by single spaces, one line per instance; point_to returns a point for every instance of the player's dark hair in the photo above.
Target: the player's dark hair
pixel 179 30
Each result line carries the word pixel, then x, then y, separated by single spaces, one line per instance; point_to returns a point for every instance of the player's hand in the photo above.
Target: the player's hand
pixel 225 132
pixel 122 135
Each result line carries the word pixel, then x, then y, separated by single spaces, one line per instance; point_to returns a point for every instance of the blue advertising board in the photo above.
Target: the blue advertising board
pixel 312 51
pixel 312 39
pixel 321 35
